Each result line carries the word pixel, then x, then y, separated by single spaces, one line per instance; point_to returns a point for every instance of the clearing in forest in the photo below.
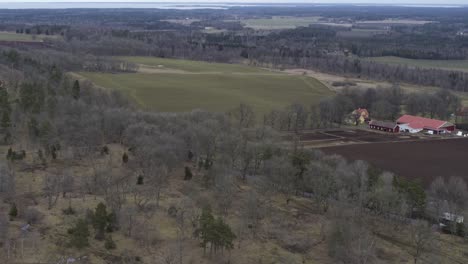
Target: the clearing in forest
pixel 171 85
pixel 287 22
pixel 12 36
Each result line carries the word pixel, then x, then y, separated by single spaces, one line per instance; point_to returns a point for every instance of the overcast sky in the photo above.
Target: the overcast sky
pixel 399 2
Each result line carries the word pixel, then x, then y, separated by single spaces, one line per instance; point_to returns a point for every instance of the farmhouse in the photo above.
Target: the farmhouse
pixel 360 116
pixel 462 33
pixel 414 124
pixel 384 126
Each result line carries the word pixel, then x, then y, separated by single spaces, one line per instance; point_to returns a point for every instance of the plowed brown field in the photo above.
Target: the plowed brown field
pixel 422 160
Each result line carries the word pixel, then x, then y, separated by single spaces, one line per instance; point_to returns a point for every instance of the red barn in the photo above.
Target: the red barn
pixel 417 123
pixel 384 126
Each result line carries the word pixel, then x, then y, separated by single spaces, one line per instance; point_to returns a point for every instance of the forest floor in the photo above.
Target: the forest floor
pixel 171 85
pixel 293 232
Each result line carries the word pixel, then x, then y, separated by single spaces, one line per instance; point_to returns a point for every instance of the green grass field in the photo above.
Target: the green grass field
pixel 459 65
pixel 12 36
pixel 193 66
pixel 210 86
pixel 279 22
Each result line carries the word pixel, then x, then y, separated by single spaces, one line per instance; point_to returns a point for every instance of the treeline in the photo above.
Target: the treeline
pixel 382 104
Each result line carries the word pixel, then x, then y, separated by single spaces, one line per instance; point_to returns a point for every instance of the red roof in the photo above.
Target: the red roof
pixel 418 122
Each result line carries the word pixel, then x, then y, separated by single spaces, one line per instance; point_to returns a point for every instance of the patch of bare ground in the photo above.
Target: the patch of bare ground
pixel 422 160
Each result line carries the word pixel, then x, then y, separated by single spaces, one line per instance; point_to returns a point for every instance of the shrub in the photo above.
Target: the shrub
pixel 109 244
pixel 105 150
pixel 69 211
pixel 32 215
pixel 125 157
pixel 79 234
pixel 188 174
pixel 140 180
pixel 172 211
pixel 13 212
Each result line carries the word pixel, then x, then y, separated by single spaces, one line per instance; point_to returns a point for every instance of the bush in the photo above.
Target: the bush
pixel 13 212
pixel 188 174
pixel 172 211
pixel 13 155
pixel 32 215
pixel 79 234
pixel 105 150
pixel 125 157
pixel 140 180
pixel 68 211
pixel 109 244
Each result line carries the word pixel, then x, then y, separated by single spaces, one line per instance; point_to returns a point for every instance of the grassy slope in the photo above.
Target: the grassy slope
pixel 440 64
pixel 193 66
pixel 201 87
pixel 12 36
pixel 279 22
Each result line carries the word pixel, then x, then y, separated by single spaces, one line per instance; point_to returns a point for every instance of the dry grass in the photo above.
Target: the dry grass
pixel 283 225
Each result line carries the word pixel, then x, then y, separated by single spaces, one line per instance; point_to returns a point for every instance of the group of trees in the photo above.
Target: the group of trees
pixel 101 221
pixel 214 232
pixel 382 104
pixel 441 104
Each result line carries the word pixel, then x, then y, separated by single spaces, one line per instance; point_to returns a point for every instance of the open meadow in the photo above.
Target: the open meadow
pixel 180 85
pixel 284 22
pixel 12 36
pixel 458 65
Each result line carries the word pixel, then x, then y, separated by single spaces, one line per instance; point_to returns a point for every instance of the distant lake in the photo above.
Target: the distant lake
pixel 174 5
pixel 65 5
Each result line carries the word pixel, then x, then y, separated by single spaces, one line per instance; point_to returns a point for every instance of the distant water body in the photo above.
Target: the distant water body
pixel 175 5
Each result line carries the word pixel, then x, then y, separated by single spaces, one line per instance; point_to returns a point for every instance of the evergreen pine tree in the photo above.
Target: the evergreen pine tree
pixel 188 174
pixel 76 90
pixel 9 153
pixel 100 221
pixel 125 157
pixel 205 230
pixel 140 180
pixel 109 244
pixel 13 212
pixel 79 234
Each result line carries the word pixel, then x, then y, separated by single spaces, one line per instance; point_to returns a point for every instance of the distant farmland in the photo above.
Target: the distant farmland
pixel 458 65
pixel 420 160
pixel 179 85
pixel 286 22
pixel 12 36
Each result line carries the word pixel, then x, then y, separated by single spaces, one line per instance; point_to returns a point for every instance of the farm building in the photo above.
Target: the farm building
pixel 415 124
pixel 384 126
pixel 360 116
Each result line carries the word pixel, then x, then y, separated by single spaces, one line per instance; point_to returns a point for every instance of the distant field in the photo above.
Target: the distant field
pixel 180 85
pixel 460 65
pixel 279 22
pixel 12 36
pixel 193 66
pixel 396 22
pixel 361 33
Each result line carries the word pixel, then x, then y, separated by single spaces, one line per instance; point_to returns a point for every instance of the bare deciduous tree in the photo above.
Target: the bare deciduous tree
pixel 422 239
pixel 51 188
